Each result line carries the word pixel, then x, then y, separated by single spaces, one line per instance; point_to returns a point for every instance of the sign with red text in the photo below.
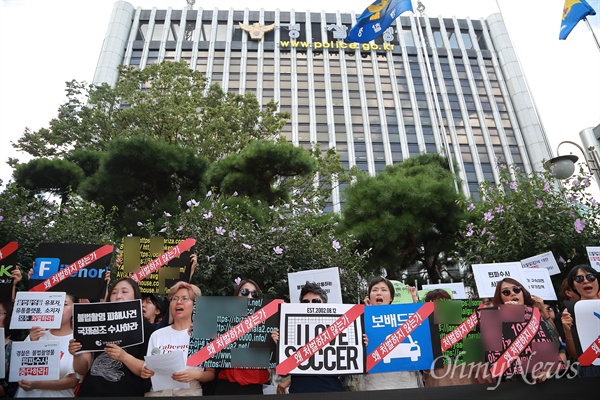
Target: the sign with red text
pixel 587 315
pixel 43 309
pixel 594 256
pixel 35 361
pixel 8 262
pixel 544 260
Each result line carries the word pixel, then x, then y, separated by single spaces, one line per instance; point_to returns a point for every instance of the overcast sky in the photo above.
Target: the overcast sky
pixel 47 43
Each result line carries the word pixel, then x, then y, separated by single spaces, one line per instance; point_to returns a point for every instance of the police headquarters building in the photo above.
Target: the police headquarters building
pixel 446 85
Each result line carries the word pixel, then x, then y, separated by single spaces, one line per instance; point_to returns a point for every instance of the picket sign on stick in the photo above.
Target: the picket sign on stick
pixel 320 341
pixel 461 331
pixel 73 268
pixel 590 354
pixel 400 334
pixel 234 333
pixel 164 258
pixel 7 250
pixel 522 341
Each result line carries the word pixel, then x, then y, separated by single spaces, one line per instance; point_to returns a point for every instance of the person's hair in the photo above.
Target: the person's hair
pixel 312 287
pixel 137 294
pixel 8 307
pixel 242 283
pixel 573 273
pixel 437 294
pixel 388 283
pixel 193 290
pixel 74 298
pixel 527 299
pixel 158 303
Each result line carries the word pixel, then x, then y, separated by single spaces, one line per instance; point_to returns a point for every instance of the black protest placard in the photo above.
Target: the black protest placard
pixel 140 251
pixel 53 258
pixel 97 324
pixel 254 349
pixel 8 262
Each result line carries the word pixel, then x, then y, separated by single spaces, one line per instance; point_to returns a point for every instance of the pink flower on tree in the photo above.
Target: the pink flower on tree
pixel 278 250
pixel 513 185
pixel 576 183
pixel 579 225
pixel 547 187
pixel 488 216
pixel 247 246
pixel 471 207
pixel 336 245
pixel 540 204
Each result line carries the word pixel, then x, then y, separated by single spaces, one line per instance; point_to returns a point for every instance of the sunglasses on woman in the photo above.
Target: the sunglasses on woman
pixel 587 277
pixel 515 290
pixel 313 301
pixel 245 292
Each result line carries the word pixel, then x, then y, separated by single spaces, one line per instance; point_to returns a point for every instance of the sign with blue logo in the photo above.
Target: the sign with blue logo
pixel 88 282
pixel 413 353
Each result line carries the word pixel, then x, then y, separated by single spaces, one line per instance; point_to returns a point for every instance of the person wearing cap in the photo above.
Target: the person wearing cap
pixel 153 308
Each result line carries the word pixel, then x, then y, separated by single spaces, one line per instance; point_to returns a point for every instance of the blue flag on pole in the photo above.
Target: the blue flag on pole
pixel 376 19
pixel 573 12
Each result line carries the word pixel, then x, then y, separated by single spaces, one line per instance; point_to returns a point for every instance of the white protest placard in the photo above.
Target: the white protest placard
pixel 43 309
pixel 327 278
pixel 35 361
pixel 487 276
pixel 594 256
pixel 163 366
pixel 457 289
pixel 539 283
pixel 544 260
pixel 587 317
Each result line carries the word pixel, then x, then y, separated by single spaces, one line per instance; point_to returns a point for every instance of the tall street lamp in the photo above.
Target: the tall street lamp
pixel 563 166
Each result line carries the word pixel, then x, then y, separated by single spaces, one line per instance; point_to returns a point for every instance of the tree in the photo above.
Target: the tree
pixel 408 214
pixel 529 214
pixel 143 179
pixel 256 170
pixel 166 101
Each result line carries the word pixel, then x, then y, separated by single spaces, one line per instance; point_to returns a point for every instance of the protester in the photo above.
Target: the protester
pixel 234 381
pixel 381 292
pixel 176 337
pixel 116 371
pixel 7 389
pixel 310 293
pixel 153 308
pixel 65 385
pixel 583 281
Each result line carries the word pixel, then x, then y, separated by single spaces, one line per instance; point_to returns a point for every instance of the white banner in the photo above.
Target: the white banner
pixel 544 260
pixel 43 309
pixel 327 278
pixel 487 276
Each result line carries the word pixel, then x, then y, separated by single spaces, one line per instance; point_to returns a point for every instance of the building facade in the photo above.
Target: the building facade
pixel 446 85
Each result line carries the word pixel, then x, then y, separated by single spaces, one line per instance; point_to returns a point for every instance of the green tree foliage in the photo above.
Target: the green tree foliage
pixel 255 171
pixel 166 101
pixel 143 178
pixel 529 214
pixel 240 237
pixel 407 214
pixel 55 176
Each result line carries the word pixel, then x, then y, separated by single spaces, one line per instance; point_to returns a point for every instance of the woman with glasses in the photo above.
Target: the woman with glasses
pixel 176 337
pixel 583 281
pixel 234 381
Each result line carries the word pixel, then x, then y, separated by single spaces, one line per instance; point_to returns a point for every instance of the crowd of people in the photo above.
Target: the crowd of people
pixel 122 372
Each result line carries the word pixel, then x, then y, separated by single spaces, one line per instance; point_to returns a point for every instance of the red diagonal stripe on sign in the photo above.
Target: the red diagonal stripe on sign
pixel 590 354
pixel 73 268
pixel 234 334
pixel 461 331
pixel 164 258
pixel 7 250
pixel 513 351
pixel 400 334
pixel 320 341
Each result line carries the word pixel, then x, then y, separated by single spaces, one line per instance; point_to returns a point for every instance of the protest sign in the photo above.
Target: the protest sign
pixel 594 256
pixel 73 268
pixel 37 309
pixel 97 324
pixel 539 283
pixel 401 293
pixel 8 262
pixel 327 278
pixel 2 356
pixel 156 263
pixel 252 348
pixel 487 276
pixel 544 260
pixel 453 334
pixel 587 314
pixel 399 335
pixel 35 361
pixel 317 338
pixel 457 289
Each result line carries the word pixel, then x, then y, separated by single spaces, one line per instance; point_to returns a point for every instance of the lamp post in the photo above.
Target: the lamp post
pixel 563 166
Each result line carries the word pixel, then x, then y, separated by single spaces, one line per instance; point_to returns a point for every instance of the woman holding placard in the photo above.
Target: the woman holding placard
pixel 65 385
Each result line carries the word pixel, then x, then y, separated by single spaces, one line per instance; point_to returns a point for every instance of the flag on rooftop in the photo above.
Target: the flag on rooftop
pixel 376 19
pixel 573 12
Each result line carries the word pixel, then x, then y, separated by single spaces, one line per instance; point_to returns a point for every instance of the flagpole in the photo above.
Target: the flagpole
pixel 593 34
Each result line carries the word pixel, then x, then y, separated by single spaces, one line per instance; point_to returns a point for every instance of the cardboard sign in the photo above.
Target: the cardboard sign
pixel 8 262
pixel 457 289
pixel 97 324
pixel 539 283
pixel 253 349
pixel 327 278
pixel 139 252
pixel 38 309
pixel 587 314
pixel 57 265
pixel 487 276
pixel 35 361
pixel 413 352
pixel 317 338
pixel 594 256
pixel 401 293
pixel 544 260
